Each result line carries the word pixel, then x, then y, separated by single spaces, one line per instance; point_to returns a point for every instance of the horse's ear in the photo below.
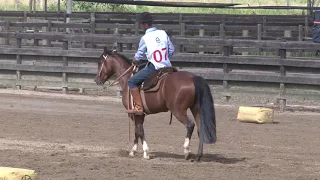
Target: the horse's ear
pixel 105 50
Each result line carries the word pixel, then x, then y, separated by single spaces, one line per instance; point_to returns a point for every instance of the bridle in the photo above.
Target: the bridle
pixel 116 82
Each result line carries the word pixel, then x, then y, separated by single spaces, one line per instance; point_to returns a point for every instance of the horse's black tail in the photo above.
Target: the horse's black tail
pixel 207 132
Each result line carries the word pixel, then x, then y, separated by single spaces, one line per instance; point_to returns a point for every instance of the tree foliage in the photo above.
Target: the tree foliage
pixel 311 4
pixel 96 7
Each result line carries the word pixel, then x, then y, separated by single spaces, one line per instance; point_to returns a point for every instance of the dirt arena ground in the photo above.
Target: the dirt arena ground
pixel 83 139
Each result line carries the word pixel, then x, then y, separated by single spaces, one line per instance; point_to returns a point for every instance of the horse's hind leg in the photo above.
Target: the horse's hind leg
pixel 196 114
pixel 184 119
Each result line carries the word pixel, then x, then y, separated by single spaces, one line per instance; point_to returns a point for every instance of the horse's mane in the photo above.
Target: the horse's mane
pixel 129 61
pixel 111 53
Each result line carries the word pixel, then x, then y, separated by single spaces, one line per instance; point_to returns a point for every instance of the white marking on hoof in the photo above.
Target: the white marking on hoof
pixel 146 156
pixel 145 150
pixel 186 143
pixel 133 150
pixel 132 154
pixel 186 146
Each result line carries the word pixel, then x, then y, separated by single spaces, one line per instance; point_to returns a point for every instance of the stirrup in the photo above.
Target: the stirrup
pixel 135 111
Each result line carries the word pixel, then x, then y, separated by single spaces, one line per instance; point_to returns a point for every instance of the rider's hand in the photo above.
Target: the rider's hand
pixel 134 61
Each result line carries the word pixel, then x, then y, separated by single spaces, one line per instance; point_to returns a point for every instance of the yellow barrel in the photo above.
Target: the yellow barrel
pixel 255 114
pixel 9 173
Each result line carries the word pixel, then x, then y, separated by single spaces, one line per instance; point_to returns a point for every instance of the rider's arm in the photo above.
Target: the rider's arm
pixel 170 48
pixel 141 50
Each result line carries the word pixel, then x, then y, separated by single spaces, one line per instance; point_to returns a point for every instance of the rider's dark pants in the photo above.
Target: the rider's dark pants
pixel 138 78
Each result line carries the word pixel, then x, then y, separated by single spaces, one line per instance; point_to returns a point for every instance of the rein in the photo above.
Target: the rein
pixel 116 82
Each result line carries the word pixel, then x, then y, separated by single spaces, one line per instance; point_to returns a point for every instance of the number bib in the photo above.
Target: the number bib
pixel 157 48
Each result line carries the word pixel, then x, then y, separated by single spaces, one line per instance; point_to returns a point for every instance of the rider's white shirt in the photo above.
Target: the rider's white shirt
pixel 157 47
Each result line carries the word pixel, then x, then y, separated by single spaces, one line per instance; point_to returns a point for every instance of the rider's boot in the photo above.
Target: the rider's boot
pixel 138 107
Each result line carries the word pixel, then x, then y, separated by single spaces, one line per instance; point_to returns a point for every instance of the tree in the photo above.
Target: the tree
pixel 311 4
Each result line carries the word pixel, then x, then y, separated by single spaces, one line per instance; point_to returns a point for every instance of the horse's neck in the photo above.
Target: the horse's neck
pixel 119 71
pixel 123 81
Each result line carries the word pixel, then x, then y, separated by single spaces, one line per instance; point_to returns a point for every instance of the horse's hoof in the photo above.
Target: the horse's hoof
pixel 196 159
pixel 132 154
pixel 187 156
pixel 146 157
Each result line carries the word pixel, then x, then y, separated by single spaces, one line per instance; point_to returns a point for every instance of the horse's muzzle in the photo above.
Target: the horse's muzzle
pixel 98 81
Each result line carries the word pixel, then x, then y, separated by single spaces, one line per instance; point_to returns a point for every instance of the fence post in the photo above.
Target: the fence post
pixel 264 26
pixel 222 31
pixel 129 31
pixel 283 55
pixel 245 33
pixel 306 27
pixel 182 34
pixel 264 29
pixel 44 42
pixel 25 19
pixel 49 30
pixel 136 25
pixel 136 30
pixel 221 35
pixel 2 40
pixel 92 26
pixel 18 58
pixel 64 74
pixel 7 27
pixel 182 31
pixel 227 51
pixel 120 49
pixel 259 37
pixel 201 34
pixel 300 38
pixel 288 33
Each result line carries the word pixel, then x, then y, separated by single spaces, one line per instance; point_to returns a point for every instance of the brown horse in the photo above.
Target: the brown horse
pixel 175 91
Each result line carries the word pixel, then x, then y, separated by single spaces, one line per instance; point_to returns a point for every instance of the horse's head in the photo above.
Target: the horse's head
pixel 106 66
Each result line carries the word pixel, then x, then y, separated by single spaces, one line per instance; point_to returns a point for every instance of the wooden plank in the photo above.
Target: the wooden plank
pixel 247 77
pixel 165 16
pixel 259 77
pixel 112 26
pixel 175 40
pixel 240 27
pixel 281 28
pixel 70 25
pixel 28 24
pixel 179 57
pixel 205 27
pixel 50 69
pixel 57 84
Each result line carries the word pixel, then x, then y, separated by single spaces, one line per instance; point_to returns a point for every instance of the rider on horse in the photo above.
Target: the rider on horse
pixel 158 48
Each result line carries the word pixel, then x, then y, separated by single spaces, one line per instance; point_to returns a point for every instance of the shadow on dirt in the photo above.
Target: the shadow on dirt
pixel 206 157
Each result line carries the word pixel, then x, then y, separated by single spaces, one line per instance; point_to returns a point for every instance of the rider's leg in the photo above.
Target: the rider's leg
pixel 134 82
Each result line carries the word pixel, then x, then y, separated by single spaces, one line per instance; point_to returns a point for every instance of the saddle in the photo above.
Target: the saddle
pixel 152 83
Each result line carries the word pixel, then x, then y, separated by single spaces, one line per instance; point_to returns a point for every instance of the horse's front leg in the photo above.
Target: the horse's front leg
pixel 135 144
pixel 139 131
